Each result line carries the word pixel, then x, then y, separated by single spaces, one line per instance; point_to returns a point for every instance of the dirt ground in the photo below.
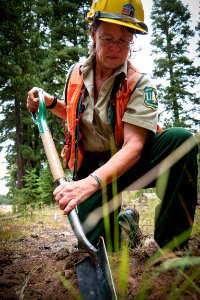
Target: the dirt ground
pixel 40 265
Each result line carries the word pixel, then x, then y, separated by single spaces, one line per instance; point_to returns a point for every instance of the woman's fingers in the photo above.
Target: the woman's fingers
pixel 70 194
pixel 65 203
pixel 71 205
pixel 32 99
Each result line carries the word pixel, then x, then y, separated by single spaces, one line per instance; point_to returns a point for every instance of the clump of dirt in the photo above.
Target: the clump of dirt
pixel 42 266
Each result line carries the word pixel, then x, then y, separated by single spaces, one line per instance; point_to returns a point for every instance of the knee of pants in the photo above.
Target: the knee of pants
pixel 178 134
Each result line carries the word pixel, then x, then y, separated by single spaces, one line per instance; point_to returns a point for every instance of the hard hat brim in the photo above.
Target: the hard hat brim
pixel 130 25
pixel 135 26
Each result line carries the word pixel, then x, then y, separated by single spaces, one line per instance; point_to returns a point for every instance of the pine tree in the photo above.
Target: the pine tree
pixel 171 34
pixel 196 119
pixel 45 187
pixel 198 32
pixel 18 69
pixel 67 41
pixel 29 193
pixel 39 40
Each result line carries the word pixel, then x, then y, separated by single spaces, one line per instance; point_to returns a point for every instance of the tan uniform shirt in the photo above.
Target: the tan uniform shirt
pixel 95 123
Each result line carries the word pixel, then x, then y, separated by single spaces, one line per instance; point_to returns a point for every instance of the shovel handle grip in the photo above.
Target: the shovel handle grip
pixel 56 168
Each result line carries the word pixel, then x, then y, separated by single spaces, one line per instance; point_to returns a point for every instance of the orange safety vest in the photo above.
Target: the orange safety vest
pixel 72 152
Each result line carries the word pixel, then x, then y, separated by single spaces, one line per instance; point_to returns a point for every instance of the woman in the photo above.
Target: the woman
pixel 113 154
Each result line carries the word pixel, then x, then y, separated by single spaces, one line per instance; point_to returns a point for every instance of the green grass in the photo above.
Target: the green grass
pixel 13 228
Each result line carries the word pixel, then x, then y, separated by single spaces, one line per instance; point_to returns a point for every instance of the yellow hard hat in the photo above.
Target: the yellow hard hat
pixel 127 13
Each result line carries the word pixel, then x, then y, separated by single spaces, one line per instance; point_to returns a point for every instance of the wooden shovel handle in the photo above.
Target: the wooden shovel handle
pixel 52 156
pixel 57 170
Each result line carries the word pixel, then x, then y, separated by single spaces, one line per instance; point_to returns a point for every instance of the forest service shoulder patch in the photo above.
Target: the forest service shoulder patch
pixel 150 97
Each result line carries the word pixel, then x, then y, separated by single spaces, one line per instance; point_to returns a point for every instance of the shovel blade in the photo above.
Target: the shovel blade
pixel 94 276
pixel 88 280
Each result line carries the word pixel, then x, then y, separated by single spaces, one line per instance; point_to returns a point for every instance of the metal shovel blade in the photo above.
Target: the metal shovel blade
pixel 94 276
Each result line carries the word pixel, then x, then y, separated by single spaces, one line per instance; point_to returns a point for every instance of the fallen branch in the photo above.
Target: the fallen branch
pixel 21 297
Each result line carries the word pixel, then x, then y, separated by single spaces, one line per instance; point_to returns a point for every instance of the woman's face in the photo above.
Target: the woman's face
pixel 112 44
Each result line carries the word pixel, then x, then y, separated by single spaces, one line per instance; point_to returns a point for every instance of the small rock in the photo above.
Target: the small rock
pixel 35 236
pixel 150 247
pixel 68 273
pixel 62 254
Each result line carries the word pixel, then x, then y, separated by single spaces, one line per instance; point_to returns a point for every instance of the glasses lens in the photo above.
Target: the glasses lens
pixel 110 41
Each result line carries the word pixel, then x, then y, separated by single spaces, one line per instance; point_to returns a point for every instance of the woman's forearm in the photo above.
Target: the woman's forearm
pixel 126 157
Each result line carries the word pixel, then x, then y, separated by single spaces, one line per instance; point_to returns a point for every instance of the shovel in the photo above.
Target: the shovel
pixel 93 272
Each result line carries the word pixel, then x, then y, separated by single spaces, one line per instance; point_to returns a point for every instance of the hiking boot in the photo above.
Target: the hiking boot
pixel 129 222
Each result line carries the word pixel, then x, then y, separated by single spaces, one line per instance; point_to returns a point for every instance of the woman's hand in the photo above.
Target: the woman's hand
pixel 70 194
pixel 33 101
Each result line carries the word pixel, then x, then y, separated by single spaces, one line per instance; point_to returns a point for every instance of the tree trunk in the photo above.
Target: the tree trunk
pixel 19 157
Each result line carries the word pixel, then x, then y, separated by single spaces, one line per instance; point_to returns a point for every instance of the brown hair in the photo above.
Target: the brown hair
pixel 94 26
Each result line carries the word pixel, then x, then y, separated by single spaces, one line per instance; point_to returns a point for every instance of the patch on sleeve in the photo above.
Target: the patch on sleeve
pixel 150 97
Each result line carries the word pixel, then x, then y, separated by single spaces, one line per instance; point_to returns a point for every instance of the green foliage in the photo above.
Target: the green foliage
pixel 67 41
pixel 197 28
pixel 30 196
pixel 171 35
pixel 13 194
pixel 198 177
pixel 45 186
pixel 39 40
pixel 38 189
pixel 4 200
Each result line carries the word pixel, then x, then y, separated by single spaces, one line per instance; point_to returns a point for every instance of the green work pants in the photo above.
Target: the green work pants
pixel 176 188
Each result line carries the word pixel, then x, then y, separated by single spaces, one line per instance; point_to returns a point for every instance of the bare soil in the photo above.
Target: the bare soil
pixel 41 265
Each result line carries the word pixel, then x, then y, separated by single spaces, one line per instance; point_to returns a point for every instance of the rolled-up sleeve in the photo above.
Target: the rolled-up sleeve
pixel 143 105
